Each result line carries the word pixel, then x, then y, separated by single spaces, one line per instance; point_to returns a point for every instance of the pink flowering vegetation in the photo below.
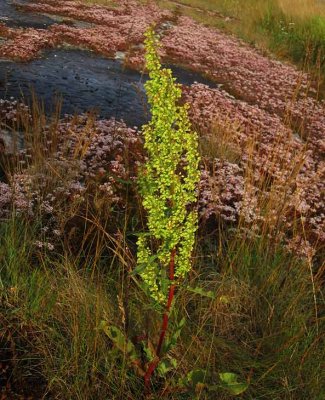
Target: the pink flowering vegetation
pixel 257 172
pixel 125 14
pixel 25 44
pixel 11 110
pixel 83 166
pixel 6 32
pixel 118 29
pixel 257 176
pixel 274 135
pixel 230 61
pixel 276 87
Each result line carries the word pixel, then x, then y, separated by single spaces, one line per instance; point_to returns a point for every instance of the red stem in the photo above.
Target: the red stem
pixel 152 366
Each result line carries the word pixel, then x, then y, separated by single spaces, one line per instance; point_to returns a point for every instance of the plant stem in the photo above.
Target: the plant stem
pixel 152 366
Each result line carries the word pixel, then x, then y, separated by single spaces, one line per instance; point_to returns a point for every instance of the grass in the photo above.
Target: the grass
pixel 293 31
pixel 250 307
pixel 260 322
pixel 303 8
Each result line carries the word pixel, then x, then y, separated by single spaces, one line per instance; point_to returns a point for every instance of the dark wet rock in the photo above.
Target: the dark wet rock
pixel 12 16
pixel 84 81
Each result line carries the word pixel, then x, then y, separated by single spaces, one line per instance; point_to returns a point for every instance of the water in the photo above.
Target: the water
pixel 82 79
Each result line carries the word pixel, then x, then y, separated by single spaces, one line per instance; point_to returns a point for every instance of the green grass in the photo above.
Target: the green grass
pixel 260 323
pixel 293 31
pixel 295 38
pixel 250 308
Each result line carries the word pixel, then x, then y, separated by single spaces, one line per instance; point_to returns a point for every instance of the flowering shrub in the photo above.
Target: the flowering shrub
pixel 168 187
pixel 169 179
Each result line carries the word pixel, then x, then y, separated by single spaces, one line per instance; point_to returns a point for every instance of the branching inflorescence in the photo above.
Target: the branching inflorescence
pixel 168 181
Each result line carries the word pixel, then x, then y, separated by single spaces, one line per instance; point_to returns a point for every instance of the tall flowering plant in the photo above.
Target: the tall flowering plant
pixel 168 188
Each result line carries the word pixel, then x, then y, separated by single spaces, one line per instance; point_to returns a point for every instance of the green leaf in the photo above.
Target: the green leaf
pixel 150 355
pixel 164 284
pixel 119 340
pixel 228 377
pixel 124 181
pixel 169 344
pixel 140 234
pixel 141 267
pixel 195 377
pixel 202 292
pixel 230 383
pixel 166 366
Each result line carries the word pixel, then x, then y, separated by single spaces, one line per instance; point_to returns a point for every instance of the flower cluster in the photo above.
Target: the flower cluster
pixel 9 109
pixel 168 181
